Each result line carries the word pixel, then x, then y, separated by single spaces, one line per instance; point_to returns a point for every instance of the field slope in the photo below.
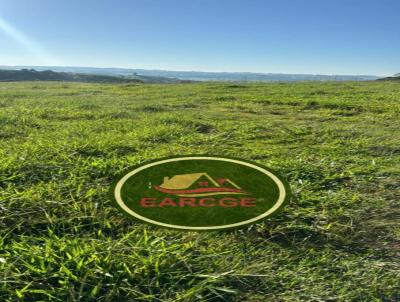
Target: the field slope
pixel 338 144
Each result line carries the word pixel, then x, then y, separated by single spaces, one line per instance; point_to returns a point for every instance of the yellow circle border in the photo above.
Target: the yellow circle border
pixel 277 205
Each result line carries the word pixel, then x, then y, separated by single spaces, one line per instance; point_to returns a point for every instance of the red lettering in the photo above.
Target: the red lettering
pixel 167 202
pixel 248 202
pixel 147 202
pixel 187 201
pixel 233 202
pixel 202 202
pixel 207 202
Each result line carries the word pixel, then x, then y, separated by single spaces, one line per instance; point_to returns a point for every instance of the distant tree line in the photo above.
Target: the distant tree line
pixel 48 75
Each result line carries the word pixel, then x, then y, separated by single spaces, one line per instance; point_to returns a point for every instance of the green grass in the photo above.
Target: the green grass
pixel 338 145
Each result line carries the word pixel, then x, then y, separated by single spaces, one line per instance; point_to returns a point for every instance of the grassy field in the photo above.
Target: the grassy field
pixel 338 144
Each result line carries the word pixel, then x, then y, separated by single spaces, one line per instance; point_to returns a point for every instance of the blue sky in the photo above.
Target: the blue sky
pixel 320 36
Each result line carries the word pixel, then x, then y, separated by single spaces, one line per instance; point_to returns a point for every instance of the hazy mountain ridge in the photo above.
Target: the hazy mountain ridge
pixel 396 77
pixel 201 75
pixel 49 75
pixel 25 74
pixel 250 76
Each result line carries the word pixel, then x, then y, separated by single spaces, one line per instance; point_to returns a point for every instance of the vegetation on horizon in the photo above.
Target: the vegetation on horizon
pixel 50 75
pixel 61 239
pixel 396 77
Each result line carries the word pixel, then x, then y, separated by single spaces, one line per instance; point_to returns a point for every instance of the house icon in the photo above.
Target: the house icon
pixel 198 184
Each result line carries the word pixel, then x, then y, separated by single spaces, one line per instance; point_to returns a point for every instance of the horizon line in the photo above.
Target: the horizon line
pixel 201 71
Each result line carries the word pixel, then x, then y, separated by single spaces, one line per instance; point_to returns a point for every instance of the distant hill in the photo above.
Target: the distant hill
pixel 168 75
pixel 395 77
pixel 251 77
pixel 50 75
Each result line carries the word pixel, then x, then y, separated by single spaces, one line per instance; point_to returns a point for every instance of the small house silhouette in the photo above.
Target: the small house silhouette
pixel 184 181
pixel 198 184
